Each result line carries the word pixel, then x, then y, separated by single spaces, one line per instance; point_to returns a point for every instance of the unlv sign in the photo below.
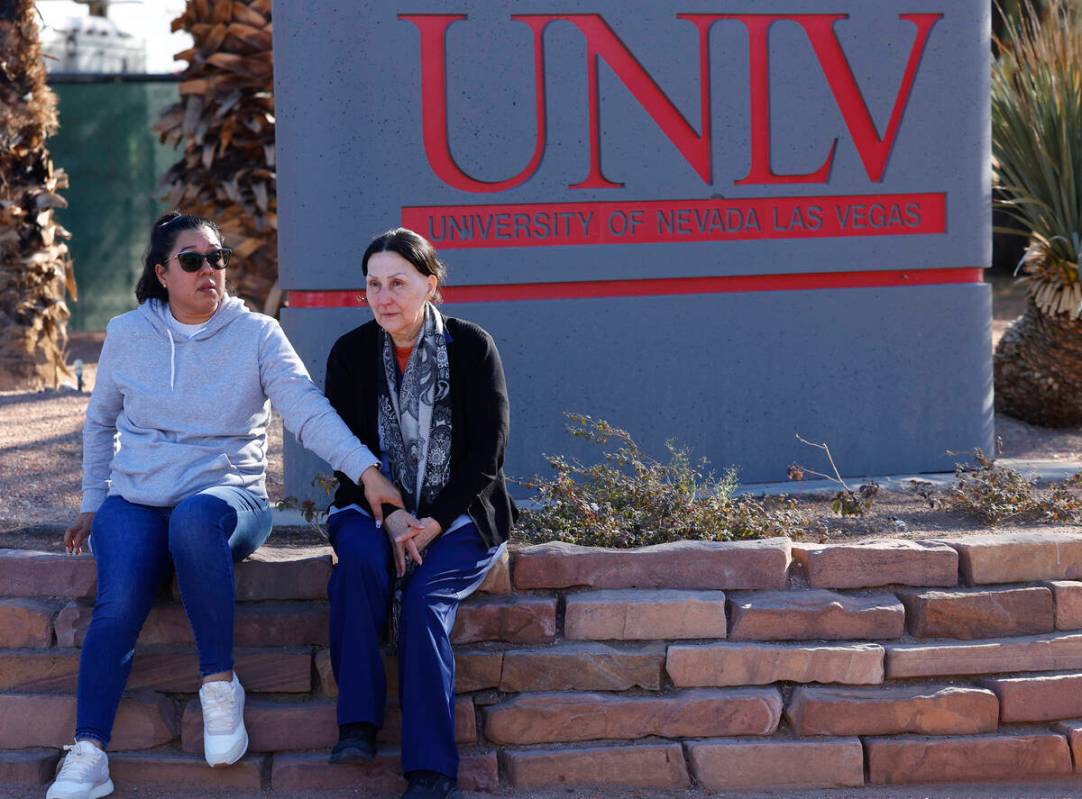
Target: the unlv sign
pixel 603 44
pixel 716 220
pixel 802 136
pixel 643 220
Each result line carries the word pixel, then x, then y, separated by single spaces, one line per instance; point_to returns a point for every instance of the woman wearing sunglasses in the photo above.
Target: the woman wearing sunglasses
pixel 426 391
pixel 185 382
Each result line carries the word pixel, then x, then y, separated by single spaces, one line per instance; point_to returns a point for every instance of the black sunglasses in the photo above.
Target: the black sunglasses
pixel 192 261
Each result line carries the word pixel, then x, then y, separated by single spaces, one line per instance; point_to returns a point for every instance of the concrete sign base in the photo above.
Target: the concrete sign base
pixel 891 378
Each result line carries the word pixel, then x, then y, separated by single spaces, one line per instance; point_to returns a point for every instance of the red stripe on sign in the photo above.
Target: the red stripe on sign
pixel 674 221
pixel 660 287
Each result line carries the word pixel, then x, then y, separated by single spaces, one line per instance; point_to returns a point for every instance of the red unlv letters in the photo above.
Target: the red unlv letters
pixel 695 147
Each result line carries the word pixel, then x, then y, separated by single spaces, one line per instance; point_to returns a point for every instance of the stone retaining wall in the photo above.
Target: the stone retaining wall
pixel 750 664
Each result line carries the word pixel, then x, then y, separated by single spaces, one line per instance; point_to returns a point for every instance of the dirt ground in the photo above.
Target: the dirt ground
pixel 41 450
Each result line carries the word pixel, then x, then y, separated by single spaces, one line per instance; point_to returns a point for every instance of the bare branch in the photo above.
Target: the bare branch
pixel 837 478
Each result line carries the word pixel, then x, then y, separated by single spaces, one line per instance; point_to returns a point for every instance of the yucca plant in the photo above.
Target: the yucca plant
pixel 1037 153
pixel 35 268
pixel 1007 13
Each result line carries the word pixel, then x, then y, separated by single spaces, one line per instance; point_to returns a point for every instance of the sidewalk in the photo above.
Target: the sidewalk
pixel 1040 469
pixel 1066 789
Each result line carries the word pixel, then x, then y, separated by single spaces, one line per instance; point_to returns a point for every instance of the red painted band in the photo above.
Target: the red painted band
pixel 660 287
pixel 678 221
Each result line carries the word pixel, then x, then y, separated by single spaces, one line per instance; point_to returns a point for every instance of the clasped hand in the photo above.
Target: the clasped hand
pixel 409 537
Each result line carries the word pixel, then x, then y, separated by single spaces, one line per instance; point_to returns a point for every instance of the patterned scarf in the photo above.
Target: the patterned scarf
pixel 415 428
pixel 415 419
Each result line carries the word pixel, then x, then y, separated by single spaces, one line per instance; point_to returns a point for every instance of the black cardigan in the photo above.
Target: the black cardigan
pixel 479 424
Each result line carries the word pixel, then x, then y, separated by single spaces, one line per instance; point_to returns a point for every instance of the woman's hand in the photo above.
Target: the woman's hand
pixel 76 535
pixel 428 532
pixel 379 491
pixel 401 527
pixel 410 536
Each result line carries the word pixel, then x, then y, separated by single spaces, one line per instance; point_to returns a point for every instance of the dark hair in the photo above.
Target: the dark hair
pixel 162 238
pixel 415 248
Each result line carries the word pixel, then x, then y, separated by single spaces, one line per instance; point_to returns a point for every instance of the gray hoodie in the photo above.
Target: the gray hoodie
pixel 171 416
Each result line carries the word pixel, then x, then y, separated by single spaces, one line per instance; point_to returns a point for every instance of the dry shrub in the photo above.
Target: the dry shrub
pixel 996 494
pixel 847 502
pixel 631 499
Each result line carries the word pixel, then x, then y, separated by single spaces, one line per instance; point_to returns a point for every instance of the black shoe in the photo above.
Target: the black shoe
pixel 431 785
pixel 356 744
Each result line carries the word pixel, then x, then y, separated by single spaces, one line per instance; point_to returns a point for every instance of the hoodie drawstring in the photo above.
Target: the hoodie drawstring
pixel 172 358
pixel 161 319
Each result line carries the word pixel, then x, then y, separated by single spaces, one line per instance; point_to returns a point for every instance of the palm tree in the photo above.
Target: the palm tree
pixel 1037 154
pixel 225 120
pixel 35 268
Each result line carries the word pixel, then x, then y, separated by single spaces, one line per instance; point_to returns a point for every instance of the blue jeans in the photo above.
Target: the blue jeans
pixel 136 548
pixel 455 564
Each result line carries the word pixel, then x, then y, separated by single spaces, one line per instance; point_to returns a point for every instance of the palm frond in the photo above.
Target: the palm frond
pixel 225 122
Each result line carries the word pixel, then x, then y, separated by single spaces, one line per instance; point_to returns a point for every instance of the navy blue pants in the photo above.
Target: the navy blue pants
pixel 360 588
pixel 136 549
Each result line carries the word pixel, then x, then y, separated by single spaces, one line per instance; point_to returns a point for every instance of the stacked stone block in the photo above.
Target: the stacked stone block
pixel 729 666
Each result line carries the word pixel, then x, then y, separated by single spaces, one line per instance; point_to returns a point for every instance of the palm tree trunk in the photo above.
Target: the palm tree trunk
pixel 1038 369
pixel 35 268
pixel 225 120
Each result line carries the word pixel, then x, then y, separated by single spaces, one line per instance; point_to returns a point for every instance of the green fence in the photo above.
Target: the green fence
pixel 114 160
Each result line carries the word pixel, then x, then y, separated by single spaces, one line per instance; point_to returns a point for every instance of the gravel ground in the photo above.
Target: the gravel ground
pixel 41 452
pixel 41 447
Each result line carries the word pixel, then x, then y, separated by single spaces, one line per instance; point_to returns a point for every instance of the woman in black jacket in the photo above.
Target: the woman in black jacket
pixel 427 393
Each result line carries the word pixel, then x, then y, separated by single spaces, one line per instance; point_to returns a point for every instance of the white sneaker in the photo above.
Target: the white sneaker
pixel 84 774
pixel 224 738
